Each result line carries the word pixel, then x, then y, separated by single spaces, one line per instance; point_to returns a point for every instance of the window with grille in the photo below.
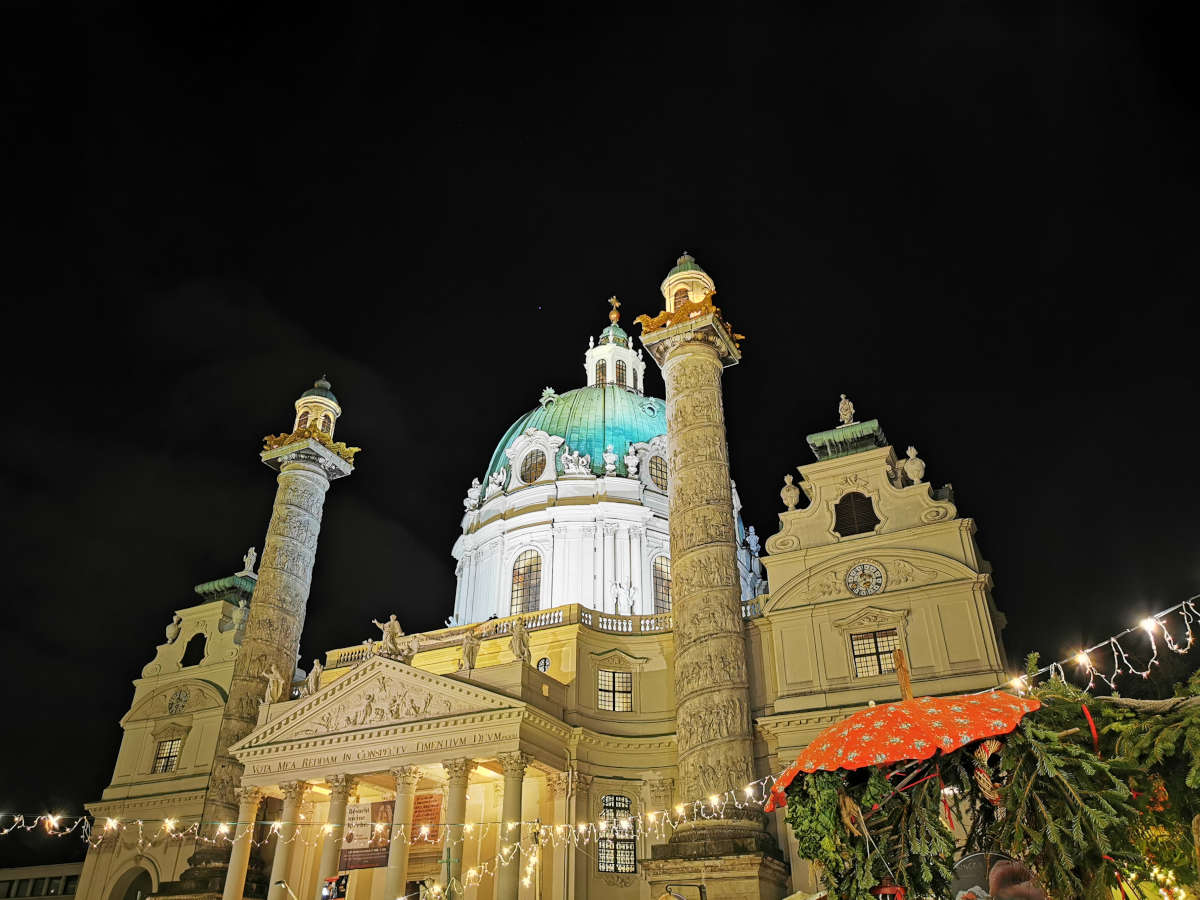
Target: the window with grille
pixel 854 514
pixel 326 423
pixel 621 372
pixel 616 845
pixel 526 583
pixel 166 755
pixel 662 584
pixel 873 652
pixel 681 296
pixel 658 472
pixel 615 691
pixel 601 372
pixel 303 420
pixel 532 466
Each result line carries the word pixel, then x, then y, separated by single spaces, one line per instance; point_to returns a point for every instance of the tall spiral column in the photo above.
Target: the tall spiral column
pixel 693 344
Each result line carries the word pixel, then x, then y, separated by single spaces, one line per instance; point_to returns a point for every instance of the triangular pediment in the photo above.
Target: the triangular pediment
pixel 378 693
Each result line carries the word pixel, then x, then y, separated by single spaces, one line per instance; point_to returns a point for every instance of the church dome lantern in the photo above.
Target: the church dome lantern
pixel 611 360
pixel 318 408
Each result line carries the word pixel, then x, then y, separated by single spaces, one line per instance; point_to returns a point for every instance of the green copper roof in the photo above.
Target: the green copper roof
pixel 685 263
pixel 846 439
pixel 233 585
pixel 320 388
pixel 589 419
pixel 614 334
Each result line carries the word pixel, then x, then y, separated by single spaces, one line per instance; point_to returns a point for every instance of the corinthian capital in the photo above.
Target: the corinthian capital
pixel 340 787
pixel 248 797
pixel 458 770
pixel 514 763
pixel 406 777
pixel 293 791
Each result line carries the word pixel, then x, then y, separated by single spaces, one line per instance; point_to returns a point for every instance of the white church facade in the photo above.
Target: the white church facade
pixel 532 748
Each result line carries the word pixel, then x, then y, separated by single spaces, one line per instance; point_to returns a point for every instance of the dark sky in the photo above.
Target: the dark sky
pixel 979 225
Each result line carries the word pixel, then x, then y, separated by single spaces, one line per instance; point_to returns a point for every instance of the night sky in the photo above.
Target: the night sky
pixel 980 226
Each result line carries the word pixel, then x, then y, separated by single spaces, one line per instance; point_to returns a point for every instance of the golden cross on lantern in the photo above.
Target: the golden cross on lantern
pixel 613 314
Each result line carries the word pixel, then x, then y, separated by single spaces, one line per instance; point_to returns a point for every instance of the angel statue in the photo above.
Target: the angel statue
pixel 312 683
pixel 274 692
pixel 846 411
pixel 520 641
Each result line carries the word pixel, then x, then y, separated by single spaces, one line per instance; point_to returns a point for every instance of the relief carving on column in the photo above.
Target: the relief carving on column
pixel 340 787
pixel 711 717
pixel 294 791
pixel 514 763
pixel 701 570
pixel 716 771
pixel 406 777
pixel 705 667
pixel 458 771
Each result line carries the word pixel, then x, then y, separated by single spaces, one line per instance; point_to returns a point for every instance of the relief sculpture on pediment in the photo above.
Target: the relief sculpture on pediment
pixel 382 701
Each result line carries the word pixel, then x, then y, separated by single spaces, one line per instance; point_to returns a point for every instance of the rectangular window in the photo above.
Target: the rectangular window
pixel 70 884
pixel 166 757
pixel 39 887
pixel 22 888
pixel 873 652
pixel 53 886
pixel 5 889
pixel 616 844
pixel 615 691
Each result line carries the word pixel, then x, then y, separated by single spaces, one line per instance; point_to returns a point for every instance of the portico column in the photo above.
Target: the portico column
pixel 581 814
pixel 560 784
pixel 458 773
pixel 610 561
pixel 331 849
pixel 285 837
pixel 239 858
pixel 402 813
pixel 508 879
pixel 636 568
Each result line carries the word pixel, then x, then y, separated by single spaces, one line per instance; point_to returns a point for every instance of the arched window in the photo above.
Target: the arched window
pixel 621 372
pixel 302 422
pixel 662 584
pixel 326 423
pixel 532 466
pixel 616 843
pixel 193 653
pixel 681 296
pixel 853 514
pixel 658 472
pixel 601 372
pixel 526 583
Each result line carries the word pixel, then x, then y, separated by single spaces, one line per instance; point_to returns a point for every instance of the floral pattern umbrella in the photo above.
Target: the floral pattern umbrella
pixel 910 729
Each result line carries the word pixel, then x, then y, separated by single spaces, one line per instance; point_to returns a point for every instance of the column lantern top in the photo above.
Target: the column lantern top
pixel 690 315
pixel 317 414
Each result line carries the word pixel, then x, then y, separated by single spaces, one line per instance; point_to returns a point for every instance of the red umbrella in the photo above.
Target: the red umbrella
pixel 909 729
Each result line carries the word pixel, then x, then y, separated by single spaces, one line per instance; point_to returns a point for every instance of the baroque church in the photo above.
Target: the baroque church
pixel 623 670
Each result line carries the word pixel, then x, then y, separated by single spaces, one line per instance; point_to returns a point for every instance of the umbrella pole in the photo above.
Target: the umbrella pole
pixel 902 675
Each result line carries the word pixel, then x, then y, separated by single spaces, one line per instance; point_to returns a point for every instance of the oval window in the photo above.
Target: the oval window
pixel 532 466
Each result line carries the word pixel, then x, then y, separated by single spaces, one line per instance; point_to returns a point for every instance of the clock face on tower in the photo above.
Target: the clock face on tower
pixel 864 579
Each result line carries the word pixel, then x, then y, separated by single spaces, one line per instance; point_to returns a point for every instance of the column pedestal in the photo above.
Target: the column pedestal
pixel 285 838
pixel 239 857
pixel 331 847
pixel 402 813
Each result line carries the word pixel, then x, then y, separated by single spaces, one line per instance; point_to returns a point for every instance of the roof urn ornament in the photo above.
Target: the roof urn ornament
pixel 610 461
pixel 173 629
pixel 790 494
pixel 846 411
pixel 914 466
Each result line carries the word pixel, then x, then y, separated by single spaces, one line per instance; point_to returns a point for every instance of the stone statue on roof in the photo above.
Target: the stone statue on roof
pixel 610 461
pixel 470 650
pixel 519 645
pixel 312 683
pixel 846 411
pixel 392 632
pixel 275 684
pixel 631 462
pixel 473 492
pixel 248 562
pixel 752 541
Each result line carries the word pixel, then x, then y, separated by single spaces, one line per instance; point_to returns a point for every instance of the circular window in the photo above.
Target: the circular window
pixel 658 472
pixel 648 408
pixel 543 664
pixel 532 466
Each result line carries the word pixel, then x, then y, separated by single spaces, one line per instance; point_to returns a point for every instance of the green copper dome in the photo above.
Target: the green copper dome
pixel 320 388
pixel 589 419
pixel 685 263
pixel 614 334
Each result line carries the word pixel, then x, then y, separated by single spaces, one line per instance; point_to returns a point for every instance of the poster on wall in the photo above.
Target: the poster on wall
pixel 427 813
pixel 365 841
